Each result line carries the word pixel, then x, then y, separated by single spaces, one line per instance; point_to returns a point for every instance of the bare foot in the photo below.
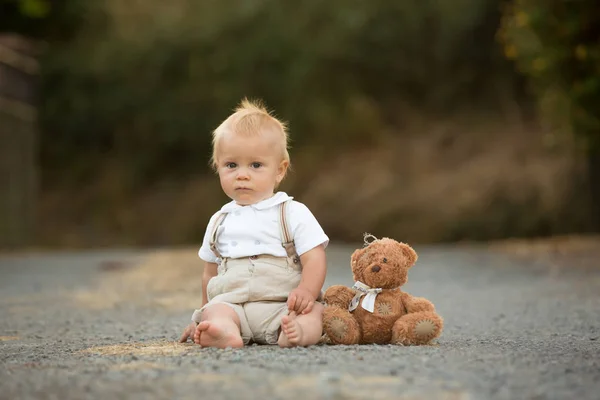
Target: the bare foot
pixel 291 331
pixel 213 334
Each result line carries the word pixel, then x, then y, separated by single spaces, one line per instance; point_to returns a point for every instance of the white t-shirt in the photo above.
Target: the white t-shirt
pixel 255 229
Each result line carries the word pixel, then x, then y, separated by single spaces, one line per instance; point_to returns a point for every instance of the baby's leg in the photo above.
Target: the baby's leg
pixel 220 327
pixel 302 330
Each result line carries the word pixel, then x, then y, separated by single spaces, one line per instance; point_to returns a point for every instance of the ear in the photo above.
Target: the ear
pixel 282 170
pixel 356 255
pixel 409 253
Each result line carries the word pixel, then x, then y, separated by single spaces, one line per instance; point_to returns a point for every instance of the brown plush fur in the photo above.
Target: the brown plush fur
pixel 398 317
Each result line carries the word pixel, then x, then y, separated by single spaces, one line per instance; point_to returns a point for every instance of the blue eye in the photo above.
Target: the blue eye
pixel 256 165
pixel 230 165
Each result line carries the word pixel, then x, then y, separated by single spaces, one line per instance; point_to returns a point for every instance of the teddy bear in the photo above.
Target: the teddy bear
pixel 376 310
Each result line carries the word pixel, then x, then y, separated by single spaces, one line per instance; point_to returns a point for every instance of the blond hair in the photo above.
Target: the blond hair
pixel 250 118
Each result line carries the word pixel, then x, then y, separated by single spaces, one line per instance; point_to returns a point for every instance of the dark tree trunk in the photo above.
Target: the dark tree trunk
pixel 18 141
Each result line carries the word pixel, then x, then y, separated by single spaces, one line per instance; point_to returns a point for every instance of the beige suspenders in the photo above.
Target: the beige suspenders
pixel 213 235
pixel 287 240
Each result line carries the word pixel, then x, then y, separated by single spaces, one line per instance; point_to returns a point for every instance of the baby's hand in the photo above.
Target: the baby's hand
pixel 188 332
pixel 301 301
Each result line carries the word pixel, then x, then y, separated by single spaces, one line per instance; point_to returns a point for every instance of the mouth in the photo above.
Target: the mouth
pixel 243 189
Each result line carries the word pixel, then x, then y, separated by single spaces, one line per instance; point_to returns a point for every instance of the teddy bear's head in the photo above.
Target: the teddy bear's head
pixel 383 263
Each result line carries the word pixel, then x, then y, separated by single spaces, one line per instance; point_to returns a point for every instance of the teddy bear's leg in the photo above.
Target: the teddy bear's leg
pixel 417 328
pixel 340 326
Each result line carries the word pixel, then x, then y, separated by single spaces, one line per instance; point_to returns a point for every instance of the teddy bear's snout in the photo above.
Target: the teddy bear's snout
pixel 376 268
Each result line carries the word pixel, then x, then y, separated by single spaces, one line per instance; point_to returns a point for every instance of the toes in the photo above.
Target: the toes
pixel 202 326
pixel 291 329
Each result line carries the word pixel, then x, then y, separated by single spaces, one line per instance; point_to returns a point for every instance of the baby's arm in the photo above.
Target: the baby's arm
pixel 314 269
pixel 210 271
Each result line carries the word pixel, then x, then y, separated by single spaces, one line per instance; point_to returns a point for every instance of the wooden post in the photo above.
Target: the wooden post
pixel 18 143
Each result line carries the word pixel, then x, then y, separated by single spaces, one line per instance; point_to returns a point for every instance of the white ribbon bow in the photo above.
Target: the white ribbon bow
pixel 370 294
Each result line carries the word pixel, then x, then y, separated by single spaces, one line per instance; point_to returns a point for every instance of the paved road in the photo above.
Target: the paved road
pixel 104 325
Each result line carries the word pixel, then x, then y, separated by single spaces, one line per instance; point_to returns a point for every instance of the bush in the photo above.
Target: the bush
pixel 142 84
pixel 555 43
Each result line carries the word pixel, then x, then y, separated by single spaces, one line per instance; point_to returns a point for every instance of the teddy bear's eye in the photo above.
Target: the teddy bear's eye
pixel 384 260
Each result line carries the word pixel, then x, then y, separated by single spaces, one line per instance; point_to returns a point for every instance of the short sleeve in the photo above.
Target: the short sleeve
pixel 305 228
pixel 205 253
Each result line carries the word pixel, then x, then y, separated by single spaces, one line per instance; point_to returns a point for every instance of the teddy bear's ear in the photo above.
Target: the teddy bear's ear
pixel 409 253
pixel 356 255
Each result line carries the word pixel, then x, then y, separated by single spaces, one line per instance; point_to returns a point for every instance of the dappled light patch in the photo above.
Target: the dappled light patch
pixel 166 278
pixel 8 338
pixel 158 348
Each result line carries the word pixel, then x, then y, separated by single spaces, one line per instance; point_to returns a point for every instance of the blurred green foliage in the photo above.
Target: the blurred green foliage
pixel 130 91
pixel 144 83
pixel 41 19
pixel 34 8
pixel 556 43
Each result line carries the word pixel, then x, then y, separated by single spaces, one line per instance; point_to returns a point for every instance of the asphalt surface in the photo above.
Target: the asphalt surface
pixel 105 325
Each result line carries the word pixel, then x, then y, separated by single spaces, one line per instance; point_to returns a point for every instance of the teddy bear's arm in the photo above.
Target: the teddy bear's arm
pixel 338 295
pixel 416 304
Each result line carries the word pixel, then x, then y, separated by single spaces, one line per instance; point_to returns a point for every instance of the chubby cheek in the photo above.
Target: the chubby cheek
pixel 227 173
pixel 226 180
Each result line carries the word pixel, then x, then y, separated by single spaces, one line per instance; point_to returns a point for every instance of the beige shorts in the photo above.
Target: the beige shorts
pixel 259 321
pixel 257 289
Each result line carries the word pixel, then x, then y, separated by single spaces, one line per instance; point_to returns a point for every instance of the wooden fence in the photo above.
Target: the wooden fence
pixel 18 141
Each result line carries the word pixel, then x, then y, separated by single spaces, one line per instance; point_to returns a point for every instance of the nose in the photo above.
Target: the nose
pixel 242 174
pixel 376 268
